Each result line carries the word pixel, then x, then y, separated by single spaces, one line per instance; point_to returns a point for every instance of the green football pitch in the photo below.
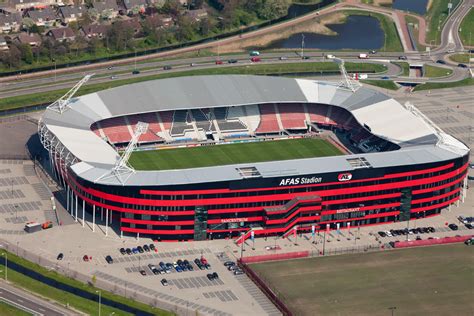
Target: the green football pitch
pixel 435 280
pixel 216 155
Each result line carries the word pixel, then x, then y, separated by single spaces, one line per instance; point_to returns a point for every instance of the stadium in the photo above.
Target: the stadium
pixel 203 157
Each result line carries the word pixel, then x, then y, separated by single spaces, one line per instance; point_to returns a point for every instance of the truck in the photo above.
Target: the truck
pixel 32 227
pixel 363 56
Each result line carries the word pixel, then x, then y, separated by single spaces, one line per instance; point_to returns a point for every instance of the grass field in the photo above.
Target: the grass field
pixel 460 58
pixel 437 280
pixel 10 310
pixel 467 26
pixel 386 84
pixel 436 17
pixel 405 68
pixel 442 85
pixel 205 156
pixel 433 71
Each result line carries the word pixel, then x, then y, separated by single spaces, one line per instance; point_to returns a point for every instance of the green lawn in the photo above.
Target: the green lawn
pixel 433 71
pixel 467 26
pixel 460 58
pixel 436 16
pixel 436 280
pixel 258 69
pixel 205 156
pixel 86 306
pixel 10 310
pixel 386 84
pixel 442 85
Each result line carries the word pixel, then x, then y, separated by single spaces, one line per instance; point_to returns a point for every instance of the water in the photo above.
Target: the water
pixel 358 32
pixel 416 6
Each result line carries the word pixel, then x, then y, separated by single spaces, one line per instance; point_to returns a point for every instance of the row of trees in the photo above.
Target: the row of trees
pixel 121 37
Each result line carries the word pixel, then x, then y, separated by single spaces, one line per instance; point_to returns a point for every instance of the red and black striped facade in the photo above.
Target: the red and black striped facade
pixel 276 205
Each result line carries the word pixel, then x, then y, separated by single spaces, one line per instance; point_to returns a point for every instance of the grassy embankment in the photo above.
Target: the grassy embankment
pixel 467 29
pixel 261 69
pixel 385 84
pixel 405 68
pixel 67 299
pixel 460 58
pixel 442 85
pixel 433 71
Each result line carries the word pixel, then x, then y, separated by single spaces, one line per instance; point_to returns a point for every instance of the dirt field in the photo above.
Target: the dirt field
pixel 437 280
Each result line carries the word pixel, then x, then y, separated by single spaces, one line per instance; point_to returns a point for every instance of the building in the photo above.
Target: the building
pixel 63 34
pixel 3 44
pixel 405 169
pixel 70 14
pixel 134 5
pixel 108 9
pixel 94 31
pixel 10 23
pixel 46 17
pixel 32 39
pixel 197 15
pixel 21 5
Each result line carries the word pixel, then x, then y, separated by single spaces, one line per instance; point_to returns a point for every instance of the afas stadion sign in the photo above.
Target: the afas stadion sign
pixel 295 181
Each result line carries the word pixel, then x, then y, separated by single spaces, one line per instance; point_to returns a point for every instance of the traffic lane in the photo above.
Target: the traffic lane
pixel 392 70
pixel 291 55
pixel 21 300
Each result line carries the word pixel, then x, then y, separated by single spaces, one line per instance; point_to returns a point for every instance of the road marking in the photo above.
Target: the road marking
pixel 20 300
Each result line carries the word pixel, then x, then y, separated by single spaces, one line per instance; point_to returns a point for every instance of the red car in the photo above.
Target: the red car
pixel 255 59
pixel 219 62
pixel 85 258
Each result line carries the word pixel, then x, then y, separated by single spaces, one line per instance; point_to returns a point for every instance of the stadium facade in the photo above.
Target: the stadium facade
pixel 406 168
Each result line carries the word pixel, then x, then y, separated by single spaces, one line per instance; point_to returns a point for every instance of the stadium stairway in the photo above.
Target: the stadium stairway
pixel 248 234
pixel 278 116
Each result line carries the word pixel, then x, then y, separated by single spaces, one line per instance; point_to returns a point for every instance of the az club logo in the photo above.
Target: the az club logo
pixel 344 177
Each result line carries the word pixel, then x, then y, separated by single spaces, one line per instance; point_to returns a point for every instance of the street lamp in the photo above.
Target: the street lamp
pixel 6 265
pixel 99 300
pixel 392 309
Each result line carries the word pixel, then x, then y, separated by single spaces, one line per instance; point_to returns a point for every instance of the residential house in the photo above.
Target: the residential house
pixel 63 34
pixel 197 15
pixel 70 14
pixel 32 39
pixel 159 21
pixel 3 44
pixel 10 23
pixel 46 17
pixel 134 5
pixel 94 30
pixel 107 9
pixel 134 24
pixel 21 5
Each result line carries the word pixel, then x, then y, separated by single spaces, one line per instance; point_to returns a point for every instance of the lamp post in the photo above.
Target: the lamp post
pixel 302 45
pixel 6 265
pixel 99 300
pixel 392 309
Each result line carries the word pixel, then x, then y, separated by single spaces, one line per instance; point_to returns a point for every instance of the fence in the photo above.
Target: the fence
pixel 277 256
pixel 429 242
pixel 274 298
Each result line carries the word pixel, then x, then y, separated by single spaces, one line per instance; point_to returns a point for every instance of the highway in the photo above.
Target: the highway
pixel 122 69
pixel 31 304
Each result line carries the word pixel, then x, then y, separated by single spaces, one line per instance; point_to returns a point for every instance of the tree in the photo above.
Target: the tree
pixel 206 26
pixel 120 36
pixel 185 30
pixel 93 45
pixel 13 58
pixel 26 53
pixel 172 7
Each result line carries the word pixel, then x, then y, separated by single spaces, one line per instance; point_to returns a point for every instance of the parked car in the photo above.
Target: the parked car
pixel 146 248
pixel 109 259
pixel 122 251
pixel 210 276
pixel 128 251
pixel 418 237
pixel 60 256
pixel 134 250
pixel 140 249
pixel 238 272
pixel 85 258
pixel 469 226
pixel 453 226
pixel 215 275
pixel 152 247
pixel 164 282
pixel 142 272
pixel 229 263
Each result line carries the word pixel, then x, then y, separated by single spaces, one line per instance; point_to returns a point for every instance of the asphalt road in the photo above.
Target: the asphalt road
pixel 31 304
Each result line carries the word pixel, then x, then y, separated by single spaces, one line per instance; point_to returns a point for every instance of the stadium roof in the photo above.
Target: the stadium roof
pixel 386 118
